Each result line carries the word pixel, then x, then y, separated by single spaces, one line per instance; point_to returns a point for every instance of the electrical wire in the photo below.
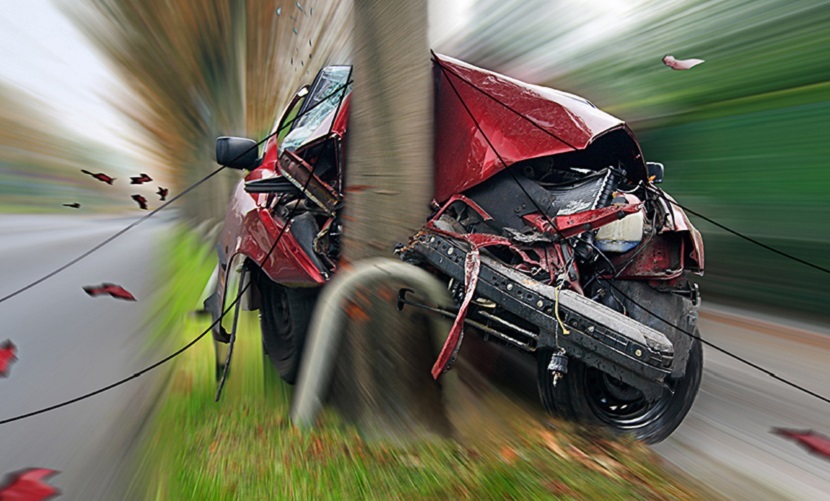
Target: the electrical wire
pixel 167 203
pixel 184 348
pixel 750 239
pixel 712 345
pixel 718 348
pixel 288 220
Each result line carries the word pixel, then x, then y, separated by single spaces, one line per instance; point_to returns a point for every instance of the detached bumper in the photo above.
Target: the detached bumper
pixel 599 336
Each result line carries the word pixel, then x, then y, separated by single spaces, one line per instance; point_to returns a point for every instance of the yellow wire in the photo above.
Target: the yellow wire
pixel 565 330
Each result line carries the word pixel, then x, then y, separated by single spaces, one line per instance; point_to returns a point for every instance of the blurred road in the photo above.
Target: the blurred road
pixel 725 442
pixel 69 344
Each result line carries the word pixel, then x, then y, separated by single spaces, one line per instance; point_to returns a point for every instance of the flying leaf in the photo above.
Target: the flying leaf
pixel 141 201
pixel 812 441
pixel 100 176
pixel 28 485
pixel 143 178
pixel 113 290
pixel 680 64
pixel 7 356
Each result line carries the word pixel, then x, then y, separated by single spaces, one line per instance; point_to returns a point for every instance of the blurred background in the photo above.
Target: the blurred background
pixel 122 87
pixel 130 86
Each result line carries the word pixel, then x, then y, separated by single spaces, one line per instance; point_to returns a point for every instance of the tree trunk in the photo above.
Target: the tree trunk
pixel 383 379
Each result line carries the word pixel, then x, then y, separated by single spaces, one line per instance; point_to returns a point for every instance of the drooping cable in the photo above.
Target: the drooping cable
pixel 544 214
pixel 152 213
pixel 242 290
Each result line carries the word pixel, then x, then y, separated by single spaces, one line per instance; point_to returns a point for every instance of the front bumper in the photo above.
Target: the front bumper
pixel 599 336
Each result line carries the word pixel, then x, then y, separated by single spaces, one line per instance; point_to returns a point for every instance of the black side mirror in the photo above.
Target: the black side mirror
pixel 655 172
pixel 237 152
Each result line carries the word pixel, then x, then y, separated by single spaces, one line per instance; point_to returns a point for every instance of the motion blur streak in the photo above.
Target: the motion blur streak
pixel 742 136
pixel 200 69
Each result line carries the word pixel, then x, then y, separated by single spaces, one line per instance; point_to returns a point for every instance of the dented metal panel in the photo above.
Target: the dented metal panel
pixel 521 120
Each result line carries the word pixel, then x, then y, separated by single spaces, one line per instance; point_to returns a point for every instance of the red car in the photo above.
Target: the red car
pixel 577 256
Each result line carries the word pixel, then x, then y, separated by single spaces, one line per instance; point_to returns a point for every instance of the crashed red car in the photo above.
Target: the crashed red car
pixel 547 227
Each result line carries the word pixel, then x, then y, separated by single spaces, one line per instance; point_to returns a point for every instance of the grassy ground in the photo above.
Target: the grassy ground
pixel 244 447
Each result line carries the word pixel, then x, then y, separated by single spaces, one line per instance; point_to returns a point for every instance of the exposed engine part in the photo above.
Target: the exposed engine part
pixel 530 237
pixel 623 235
pixel 513 327
pixel 606 192
pixel 558 365
pixel 599 336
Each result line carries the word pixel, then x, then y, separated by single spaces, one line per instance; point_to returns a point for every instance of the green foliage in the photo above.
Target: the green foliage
pixel 742 135
pixel 244 447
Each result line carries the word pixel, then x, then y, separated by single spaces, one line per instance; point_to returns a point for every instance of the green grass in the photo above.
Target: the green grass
pixel 244 447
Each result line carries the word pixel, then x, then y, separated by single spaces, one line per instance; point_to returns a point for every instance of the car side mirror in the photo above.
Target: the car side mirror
pixel 237 152
pixel 655 172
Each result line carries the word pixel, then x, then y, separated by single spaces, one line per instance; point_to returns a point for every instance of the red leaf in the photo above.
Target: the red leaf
pixel 113 290
pixel 7 351
pixel 812 441
pixel 143 178
pixel 100 176
pixel 28 485
pixel 141 201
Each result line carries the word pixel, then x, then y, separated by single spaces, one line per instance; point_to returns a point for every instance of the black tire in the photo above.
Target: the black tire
pixel 284 317
pixel 591 397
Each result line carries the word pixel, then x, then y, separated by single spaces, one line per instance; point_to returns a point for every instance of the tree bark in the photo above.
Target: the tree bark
pixel 383 379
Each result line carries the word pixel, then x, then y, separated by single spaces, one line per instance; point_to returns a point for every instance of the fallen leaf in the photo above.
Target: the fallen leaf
pixel 552 443
pixel 508 454
pixel 28 485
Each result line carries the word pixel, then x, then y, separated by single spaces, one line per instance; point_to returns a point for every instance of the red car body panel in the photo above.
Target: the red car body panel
pixel 251 228
pixel 521 120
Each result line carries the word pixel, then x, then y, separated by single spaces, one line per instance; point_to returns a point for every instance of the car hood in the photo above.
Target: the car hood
pixel 486 122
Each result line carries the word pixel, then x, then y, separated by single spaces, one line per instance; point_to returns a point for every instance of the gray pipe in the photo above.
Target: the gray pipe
pixel 328 321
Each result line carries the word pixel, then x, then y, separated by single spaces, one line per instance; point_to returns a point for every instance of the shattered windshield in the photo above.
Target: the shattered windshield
pixel 324 98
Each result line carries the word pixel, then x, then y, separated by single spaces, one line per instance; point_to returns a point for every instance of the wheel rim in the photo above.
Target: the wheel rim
pixel 620 405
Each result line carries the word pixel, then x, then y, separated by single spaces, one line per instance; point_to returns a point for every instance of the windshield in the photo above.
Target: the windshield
pixel 324 98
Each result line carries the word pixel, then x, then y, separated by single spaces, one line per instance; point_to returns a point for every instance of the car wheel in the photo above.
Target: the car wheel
pixel 284 317
pixel 592 397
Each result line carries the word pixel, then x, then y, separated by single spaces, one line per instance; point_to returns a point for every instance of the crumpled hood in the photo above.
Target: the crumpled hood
pixel 521 120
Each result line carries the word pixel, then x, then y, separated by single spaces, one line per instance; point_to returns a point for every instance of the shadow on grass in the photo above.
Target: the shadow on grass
pixel 244 447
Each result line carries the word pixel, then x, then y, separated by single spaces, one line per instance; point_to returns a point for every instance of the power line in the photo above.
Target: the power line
pixel 112 237
pixel 533 201
pixel 752 240
pixel 167 203
pixel 718 348
pixel 241 291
